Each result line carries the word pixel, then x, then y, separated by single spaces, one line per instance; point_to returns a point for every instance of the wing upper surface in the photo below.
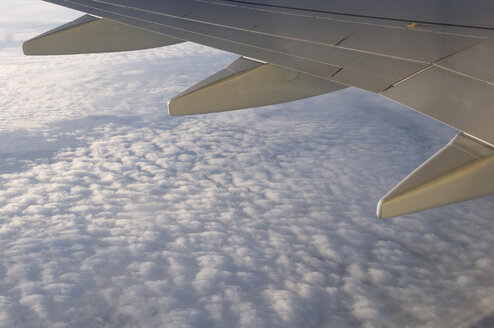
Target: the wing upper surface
pixel 419 66
pixel 473 13
pixel 387 57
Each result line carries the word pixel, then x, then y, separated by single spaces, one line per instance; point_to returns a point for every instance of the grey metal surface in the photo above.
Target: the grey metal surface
pixel 246 84
pixel 408 43
pixel 77 22
pixel 295 27
pixel 376 73
pixel 226 16
pixel 214 36
pixel 460 151
pixel 93 35
pixel 172 8
pixel 476 13
pixel 238 66
pixel 475 61
pixel 462 170
pixel 241 19
pixel 460 101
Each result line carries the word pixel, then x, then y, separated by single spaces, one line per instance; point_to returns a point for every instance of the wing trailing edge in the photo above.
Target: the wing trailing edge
pixel 248 83
pixel 89 34
pixel 461 171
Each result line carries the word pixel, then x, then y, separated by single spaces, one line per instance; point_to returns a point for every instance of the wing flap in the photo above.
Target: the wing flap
pixel 89 34
pixel 247 83
pixel 462 170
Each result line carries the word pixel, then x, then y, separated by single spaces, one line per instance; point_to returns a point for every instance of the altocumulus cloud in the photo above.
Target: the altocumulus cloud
pixel 113 214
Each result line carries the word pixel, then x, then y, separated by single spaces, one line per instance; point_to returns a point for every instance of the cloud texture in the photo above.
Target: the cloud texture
pixel 113 214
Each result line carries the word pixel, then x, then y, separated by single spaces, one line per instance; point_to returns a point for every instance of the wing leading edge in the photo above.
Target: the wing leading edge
pixel 441 67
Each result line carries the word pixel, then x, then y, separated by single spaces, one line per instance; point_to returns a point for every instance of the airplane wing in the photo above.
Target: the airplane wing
pixel 434 56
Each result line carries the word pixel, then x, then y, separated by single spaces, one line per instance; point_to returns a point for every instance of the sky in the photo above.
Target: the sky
pixel 114 214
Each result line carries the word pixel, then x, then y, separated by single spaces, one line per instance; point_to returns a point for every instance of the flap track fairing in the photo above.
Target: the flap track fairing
pixel 89 34
pixel 247 83
pixel 461 171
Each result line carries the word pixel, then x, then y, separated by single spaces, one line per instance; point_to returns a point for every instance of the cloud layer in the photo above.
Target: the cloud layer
pixel 113 214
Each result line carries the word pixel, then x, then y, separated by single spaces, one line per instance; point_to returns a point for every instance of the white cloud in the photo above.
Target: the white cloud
pixel 112 213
